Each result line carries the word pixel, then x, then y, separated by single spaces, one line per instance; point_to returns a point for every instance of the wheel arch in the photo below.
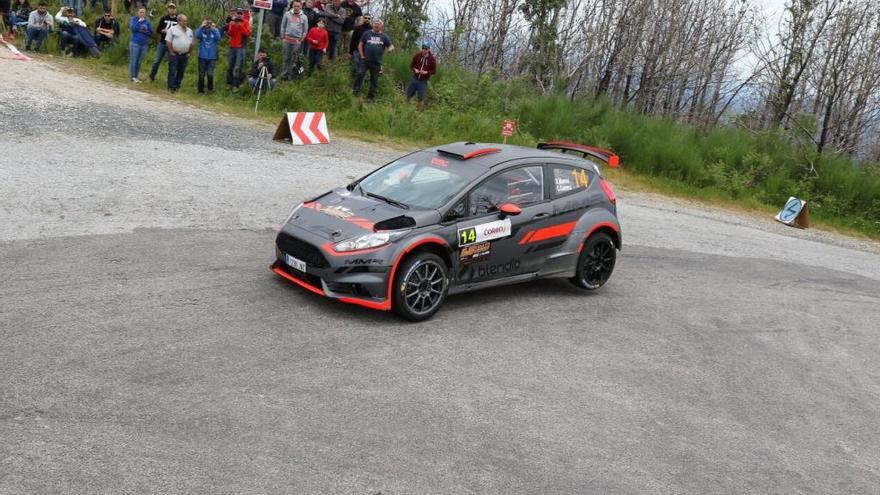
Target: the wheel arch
pixel 606 228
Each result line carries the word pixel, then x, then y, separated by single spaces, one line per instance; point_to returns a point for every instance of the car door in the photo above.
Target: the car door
pixel 487 240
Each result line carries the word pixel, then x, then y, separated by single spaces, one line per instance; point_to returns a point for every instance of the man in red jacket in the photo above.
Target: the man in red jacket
pixel 423 66
pixel 238 27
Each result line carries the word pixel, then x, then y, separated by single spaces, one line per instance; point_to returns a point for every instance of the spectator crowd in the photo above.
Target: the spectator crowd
pixel 311 34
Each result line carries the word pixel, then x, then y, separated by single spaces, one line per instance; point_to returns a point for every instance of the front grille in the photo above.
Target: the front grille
pixel 301 250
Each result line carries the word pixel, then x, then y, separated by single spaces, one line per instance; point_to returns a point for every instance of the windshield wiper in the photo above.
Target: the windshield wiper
pixel 387 200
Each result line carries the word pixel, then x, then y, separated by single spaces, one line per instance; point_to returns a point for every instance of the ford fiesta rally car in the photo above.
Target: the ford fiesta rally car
pixel 455 218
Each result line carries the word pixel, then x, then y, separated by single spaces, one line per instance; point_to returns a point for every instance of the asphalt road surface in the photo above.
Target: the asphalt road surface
pixel 146 348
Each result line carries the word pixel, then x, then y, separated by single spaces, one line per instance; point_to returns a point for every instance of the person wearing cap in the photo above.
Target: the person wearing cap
pixel 371 48
pixel 294 28
pixel 361 26
pixel 106 29
pixel 318 41
pixel 423 66
pixel 165 23
pixel 75 33
pixel 178 40
pixel 141 29
pixel 239 30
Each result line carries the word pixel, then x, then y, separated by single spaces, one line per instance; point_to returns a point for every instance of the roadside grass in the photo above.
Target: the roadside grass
pixel 723 166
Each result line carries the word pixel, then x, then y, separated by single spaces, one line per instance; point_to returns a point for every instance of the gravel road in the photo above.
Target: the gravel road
pixel 146 348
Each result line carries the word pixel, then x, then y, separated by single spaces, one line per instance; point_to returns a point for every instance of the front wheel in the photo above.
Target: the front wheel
pixel 420 287
pixel 596 262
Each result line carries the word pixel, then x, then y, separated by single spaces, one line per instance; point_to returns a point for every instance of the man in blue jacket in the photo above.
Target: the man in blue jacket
pixel 208 36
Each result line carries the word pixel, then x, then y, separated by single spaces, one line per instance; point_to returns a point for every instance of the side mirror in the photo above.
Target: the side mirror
pixel 509 209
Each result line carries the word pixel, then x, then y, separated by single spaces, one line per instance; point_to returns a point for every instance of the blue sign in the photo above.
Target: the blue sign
pixel 791 210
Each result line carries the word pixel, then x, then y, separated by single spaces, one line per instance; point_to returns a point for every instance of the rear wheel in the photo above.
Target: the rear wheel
pixel 596 262
pixel 420 286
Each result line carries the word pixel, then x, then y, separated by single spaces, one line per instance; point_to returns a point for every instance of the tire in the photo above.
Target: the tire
pixel 420 286
pixel 596 262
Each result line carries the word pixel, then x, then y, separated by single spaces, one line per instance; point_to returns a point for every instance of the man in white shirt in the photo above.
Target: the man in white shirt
pixel 179 41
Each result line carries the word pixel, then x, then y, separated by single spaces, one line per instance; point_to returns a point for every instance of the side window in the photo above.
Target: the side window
pixel 456 212
pixel 570 179
pixel 521 186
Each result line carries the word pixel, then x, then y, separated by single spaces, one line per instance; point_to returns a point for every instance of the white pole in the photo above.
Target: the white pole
pixel 259 33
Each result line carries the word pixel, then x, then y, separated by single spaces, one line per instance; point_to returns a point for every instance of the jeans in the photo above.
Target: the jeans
pixel 315 57
pixel 416 86
pixel 35 34
pixel 253 82
pixel 235 70
pixel 78 5
pixel 374 68
pixel 70 39
pixel 291 53
pixel 176 68
pixel 161 50
pixel 331 49
pixel 275 24
pixel 104 3
pixel 206 68
pixel 356 60
pixel 136 53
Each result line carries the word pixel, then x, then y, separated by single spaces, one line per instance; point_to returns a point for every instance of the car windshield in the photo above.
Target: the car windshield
pixel 414 182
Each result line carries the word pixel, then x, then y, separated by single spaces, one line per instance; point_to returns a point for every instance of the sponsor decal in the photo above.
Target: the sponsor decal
pixel 508 268
pixel 335 211
pixel 474 253
pixel 484 232
pixel 363 261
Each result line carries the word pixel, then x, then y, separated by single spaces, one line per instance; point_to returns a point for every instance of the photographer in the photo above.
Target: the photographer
pixel 208 36
pixel 264 79
pixel 238 28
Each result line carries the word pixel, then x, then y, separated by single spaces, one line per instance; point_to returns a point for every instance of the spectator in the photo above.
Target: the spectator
pixel 423 66
pixel 75 36
pixel 317 40
pixel 238 29
pixel 352 13
pixel 105 4
pixel 362 25
pixel 275 16
pixel 312 15
pixel 38 26
pixel 19 13
pixel 294 28
pixel 106 29
pixel 209 37
pixel 165 23
pixel 178 40
pixel 371 48
pixel 334 18
pixel 141 29
pixel 266 80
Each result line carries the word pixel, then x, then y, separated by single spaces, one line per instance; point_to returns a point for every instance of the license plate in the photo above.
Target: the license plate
pixel 295 263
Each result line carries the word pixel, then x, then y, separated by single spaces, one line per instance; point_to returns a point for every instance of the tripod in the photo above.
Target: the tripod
pixel 263 78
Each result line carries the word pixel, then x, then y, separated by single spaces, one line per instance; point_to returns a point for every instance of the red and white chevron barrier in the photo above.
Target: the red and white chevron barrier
pixel 303 128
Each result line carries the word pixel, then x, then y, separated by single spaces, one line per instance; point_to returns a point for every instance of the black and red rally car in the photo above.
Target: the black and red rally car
pixel 455 218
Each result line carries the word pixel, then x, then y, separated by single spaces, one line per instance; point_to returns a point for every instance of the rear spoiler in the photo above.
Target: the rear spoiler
pixel 605 156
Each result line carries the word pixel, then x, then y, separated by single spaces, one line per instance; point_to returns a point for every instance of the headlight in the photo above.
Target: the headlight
pixel 365 241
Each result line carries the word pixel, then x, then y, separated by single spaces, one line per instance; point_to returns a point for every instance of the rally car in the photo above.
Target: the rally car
pixel 455 218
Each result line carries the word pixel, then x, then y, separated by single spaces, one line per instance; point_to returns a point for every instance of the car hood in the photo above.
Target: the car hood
pixel 341 214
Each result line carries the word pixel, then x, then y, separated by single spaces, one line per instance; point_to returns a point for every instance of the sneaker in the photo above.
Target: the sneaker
pixel 135 80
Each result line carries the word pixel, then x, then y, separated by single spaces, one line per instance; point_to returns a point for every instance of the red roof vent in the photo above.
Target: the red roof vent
pixel 466 151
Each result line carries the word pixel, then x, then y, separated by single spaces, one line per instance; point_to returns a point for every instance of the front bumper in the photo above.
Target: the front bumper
pixel 355 279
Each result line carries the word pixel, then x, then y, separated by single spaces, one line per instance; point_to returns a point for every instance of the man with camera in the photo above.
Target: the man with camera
pixel 238 28
pixel 208 36
pixel 262 72
pixel 38 26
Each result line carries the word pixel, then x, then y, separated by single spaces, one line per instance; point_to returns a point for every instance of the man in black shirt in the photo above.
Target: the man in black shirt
pixel 106 29
pixel 165 23
pixel 371 48
pixel 361 26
